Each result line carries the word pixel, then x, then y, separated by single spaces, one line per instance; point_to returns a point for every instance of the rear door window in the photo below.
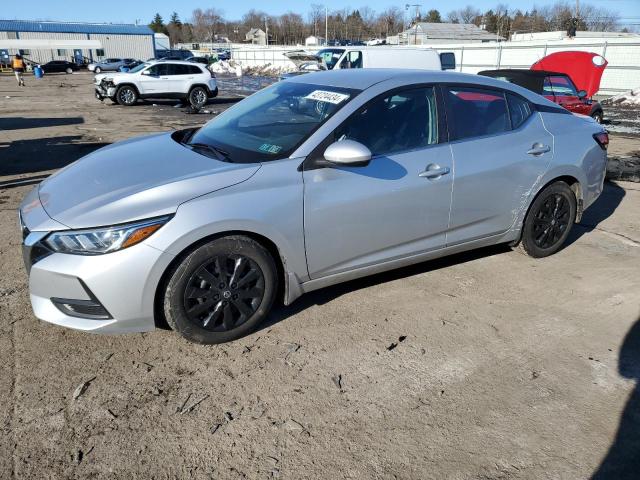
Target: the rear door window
pixel 475 112
pixel 404 120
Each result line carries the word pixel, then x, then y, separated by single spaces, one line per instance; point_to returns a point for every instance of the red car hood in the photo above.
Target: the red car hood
pixel 584 68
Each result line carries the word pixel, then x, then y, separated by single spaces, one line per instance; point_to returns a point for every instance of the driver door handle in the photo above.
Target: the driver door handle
pixel 434 171
pixel 538 149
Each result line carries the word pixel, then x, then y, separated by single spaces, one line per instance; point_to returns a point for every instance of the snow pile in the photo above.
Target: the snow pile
pixel 269 70
pixel 224 66
pixel 234 68
pixel 629 98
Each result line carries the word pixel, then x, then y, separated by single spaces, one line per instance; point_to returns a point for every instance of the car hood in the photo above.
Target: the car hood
pixel 584 68
pixel 135 179
pixel 98 78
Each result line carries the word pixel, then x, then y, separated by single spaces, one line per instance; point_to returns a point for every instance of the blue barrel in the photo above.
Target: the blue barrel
pixel 37 71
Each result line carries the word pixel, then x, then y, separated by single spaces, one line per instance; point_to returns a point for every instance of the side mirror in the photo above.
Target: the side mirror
pixel 348 153
pixel 582 94
pixel 145 72
pixel 448 61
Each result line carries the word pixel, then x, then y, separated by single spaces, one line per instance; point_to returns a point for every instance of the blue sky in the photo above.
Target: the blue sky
pixel 128 11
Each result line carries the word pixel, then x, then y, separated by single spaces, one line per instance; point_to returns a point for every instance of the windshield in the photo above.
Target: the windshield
pixel 139 67
pixel 330 56
pixel 273 122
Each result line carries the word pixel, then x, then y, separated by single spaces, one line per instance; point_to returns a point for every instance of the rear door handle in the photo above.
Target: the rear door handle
pixel 434 171
pixel 538 149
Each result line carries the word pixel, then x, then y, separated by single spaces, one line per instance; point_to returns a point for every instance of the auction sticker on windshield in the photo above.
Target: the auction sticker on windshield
pixel 325 96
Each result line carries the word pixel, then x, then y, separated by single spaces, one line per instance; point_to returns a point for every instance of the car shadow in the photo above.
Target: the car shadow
pixel 622 461
pixel 20 123
pixel 602 208
pixel 328 294
pixel 41 154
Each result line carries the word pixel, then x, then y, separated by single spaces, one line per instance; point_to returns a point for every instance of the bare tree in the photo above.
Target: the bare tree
pixel 207 24
pixel 316 18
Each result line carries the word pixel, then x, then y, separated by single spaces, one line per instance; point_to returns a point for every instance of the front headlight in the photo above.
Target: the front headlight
pixel 97 241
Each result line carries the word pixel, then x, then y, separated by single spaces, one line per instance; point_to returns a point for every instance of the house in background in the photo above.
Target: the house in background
pixel 256 36
pixel 313 41
pixel 425 33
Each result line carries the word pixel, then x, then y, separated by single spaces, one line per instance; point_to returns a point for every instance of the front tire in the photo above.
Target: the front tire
pixel 198 97
pixel 549 221
pixel 126 96
pixel 97 70
pixel 69 70
pixel 221 291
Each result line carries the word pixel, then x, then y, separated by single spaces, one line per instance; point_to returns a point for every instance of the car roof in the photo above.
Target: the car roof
pixel 364 78
pixel 162 60
pixel 521 72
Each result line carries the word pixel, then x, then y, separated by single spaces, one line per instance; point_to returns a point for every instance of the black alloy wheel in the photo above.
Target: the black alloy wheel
pixel 224 292
pixel 549 220
pixel 221 290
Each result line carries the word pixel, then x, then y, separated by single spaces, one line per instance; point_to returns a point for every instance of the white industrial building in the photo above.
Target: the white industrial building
pixel 429 33
pixel 41 42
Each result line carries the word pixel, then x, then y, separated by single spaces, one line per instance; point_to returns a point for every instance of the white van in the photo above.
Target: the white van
pixel 338 58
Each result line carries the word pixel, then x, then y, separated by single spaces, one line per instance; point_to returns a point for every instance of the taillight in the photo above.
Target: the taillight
pixel 602 139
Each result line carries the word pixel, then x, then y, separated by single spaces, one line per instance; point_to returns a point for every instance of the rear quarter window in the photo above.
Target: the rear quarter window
pixel 519 109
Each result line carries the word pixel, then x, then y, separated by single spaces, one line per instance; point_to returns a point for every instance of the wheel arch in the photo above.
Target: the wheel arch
pixel 206 88
pixel 128 84
pixel 574 185
pixel 272 248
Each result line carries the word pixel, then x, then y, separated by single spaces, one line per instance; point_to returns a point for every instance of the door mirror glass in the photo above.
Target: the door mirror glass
pixel 348 152
pixel 448 61
pixel 582 94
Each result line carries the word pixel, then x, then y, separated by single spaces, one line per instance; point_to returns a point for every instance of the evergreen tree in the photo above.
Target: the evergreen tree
pixel 157 24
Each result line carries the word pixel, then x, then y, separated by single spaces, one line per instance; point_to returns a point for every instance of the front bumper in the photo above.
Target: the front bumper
pixel 105 92
pixel 123 283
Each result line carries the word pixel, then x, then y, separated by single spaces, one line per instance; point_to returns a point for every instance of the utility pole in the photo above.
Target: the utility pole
pixel 266 28
pixel 415 34
pixel 577 8
pixel 326 26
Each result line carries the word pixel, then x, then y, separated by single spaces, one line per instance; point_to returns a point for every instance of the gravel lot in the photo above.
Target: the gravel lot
pixel 485 365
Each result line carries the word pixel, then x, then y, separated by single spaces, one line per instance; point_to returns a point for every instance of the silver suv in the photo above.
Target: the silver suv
pixel 312 181
pixel 109 64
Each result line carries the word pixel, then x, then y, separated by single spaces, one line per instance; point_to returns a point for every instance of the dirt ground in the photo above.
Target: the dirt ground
pixel 485 365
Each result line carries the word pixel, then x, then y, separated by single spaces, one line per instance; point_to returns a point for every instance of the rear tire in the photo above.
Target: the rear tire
pixel 69 70
pixel 597 116
pixel 126 96
pixel 97 70
pixel 221 291
pixel 549 221
pixel 198 97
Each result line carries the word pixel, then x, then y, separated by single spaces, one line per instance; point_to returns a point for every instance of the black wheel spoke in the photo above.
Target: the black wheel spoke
pixel 199 308
pixel 213 316
pixel 251 293
pixel 224 292
pixel 227 319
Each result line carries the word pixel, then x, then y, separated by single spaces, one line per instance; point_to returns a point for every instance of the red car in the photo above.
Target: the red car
pixel 569 79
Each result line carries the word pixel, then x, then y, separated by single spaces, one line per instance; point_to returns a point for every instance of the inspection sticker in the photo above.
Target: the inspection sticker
pixel 268 148
pixel 325 96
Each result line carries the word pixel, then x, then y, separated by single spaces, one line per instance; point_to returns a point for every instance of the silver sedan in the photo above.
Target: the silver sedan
pixel 313 181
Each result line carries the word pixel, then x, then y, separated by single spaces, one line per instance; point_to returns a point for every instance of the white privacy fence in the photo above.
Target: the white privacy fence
pixel 623 55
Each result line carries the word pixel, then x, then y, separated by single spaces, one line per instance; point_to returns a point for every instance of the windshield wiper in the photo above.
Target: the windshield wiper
pixel 217 152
